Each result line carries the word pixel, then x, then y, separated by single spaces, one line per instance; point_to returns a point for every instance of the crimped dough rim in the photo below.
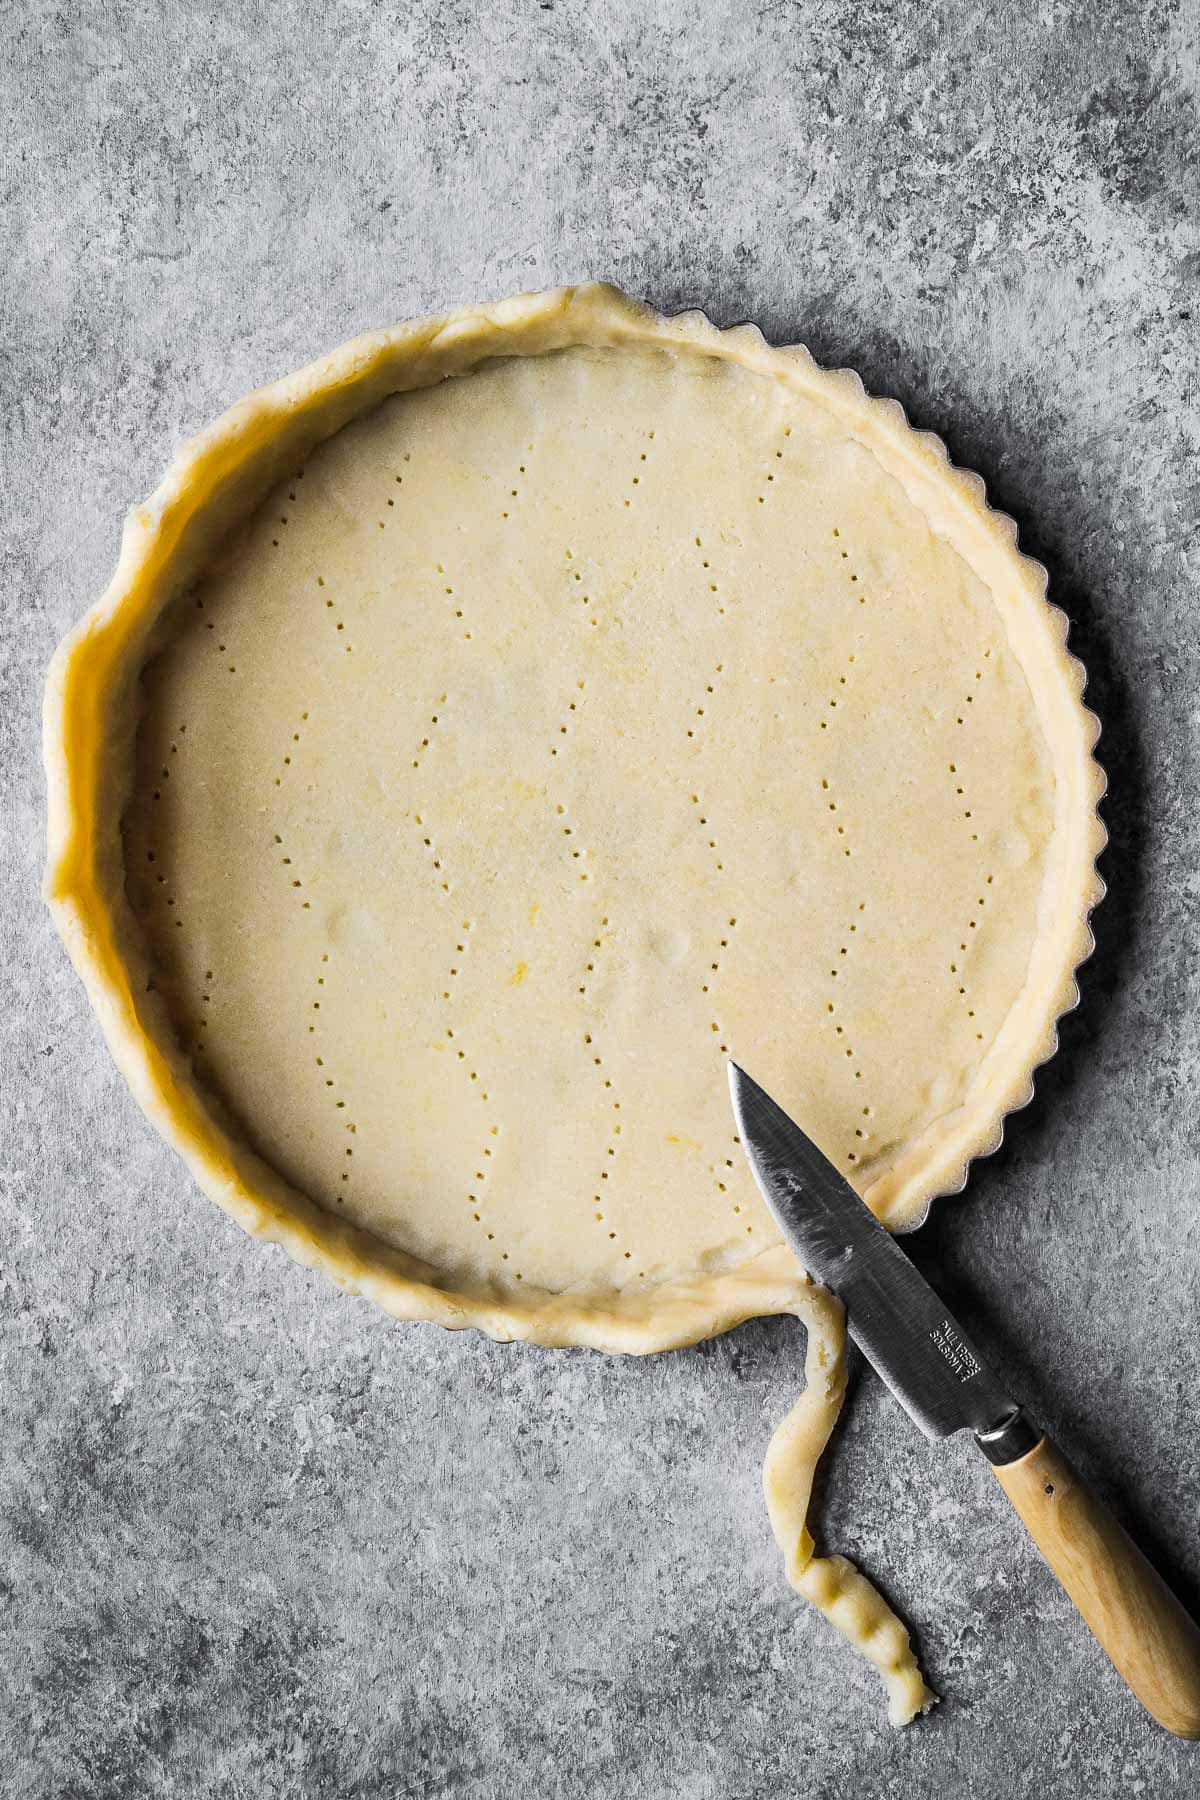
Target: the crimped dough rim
pixel 89 721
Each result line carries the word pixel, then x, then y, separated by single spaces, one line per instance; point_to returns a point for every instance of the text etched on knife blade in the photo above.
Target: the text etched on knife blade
pixel 963 1361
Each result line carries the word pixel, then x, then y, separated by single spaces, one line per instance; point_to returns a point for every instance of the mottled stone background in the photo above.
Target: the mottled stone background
pixel 256 1541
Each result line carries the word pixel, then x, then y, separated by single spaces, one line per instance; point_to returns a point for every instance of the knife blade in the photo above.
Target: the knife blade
pixel 908 1334
pixel 928 1361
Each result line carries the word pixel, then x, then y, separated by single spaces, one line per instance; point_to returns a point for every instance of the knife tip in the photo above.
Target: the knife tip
pixel 739 1081
pixel 741 1086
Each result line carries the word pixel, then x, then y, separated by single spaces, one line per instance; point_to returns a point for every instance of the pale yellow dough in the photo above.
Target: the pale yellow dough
pixel 458 770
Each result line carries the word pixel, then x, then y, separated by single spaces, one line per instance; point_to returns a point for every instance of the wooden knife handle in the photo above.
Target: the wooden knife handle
pixel 1136 1619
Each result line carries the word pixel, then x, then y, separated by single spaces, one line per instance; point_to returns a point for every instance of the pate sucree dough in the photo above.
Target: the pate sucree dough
pixel 457 771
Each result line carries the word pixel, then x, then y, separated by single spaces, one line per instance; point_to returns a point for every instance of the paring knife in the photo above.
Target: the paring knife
pixel 939 1377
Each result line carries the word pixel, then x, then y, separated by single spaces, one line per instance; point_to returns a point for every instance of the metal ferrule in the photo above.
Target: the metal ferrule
pixel 1015 1436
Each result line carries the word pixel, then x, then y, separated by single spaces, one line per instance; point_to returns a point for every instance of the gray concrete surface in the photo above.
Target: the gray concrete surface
pixel 256 1541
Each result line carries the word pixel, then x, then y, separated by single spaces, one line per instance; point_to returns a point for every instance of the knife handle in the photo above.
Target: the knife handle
pixel 1136 1619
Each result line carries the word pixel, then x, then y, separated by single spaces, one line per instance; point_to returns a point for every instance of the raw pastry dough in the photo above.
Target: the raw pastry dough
pixel 456 770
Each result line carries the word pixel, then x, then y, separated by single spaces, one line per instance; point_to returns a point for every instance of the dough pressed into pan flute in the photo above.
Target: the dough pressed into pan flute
pixel 493 728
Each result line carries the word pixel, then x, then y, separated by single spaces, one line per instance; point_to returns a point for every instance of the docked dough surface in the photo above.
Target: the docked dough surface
pixel 550 735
